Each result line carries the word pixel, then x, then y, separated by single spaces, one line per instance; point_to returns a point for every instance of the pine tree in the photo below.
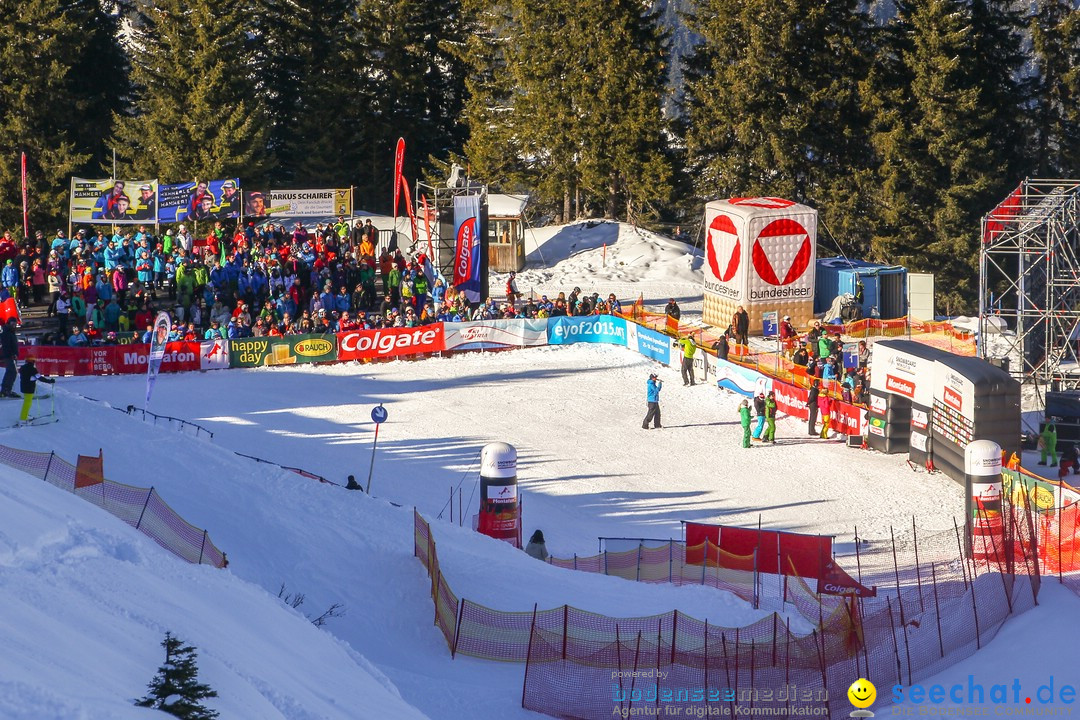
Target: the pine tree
pixel 196 113
pixel 937 108
pixel 772 104
pixel 307 60
pixel 175 689
pixel 63 75
pixel 566 111
pixel 1055 39
pixel 411 52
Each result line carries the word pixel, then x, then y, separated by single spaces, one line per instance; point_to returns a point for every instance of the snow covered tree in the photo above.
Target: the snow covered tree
pixel 175 689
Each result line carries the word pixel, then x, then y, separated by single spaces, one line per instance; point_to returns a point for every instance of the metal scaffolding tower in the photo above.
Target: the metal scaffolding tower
pixel 1029 282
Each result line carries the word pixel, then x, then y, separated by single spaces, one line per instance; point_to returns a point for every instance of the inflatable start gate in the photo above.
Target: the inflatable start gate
pixel 759 253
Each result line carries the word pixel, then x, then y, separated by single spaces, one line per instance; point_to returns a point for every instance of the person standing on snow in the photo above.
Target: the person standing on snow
pixel 825 404
pixel 1048 443
pixel 688 350
pixel 652 398
pixel 537 548
pixel 741 322
pixel 770 418
pixel 28 379
pixel 812 407
pixel 759 410
pixel 744 420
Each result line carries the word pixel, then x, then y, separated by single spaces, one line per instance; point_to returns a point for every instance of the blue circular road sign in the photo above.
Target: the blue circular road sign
pixel 378 414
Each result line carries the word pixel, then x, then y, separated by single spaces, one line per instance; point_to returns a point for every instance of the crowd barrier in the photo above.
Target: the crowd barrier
pixel 940 608
pixel 140 508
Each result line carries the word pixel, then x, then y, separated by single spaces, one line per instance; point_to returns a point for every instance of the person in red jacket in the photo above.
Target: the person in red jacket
pixel 825 407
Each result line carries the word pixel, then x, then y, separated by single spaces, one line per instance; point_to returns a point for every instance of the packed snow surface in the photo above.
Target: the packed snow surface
pixel 87 599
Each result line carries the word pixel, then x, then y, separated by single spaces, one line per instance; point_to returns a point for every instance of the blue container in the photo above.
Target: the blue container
pixel 884 286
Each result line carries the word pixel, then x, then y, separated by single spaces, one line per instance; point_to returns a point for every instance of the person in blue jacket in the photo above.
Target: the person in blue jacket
pixel 652 398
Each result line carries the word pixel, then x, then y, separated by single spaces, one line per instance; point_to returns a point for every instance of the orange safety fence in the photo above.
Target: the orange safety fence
pixel 667 563
pixel 140 508
pixel 946 609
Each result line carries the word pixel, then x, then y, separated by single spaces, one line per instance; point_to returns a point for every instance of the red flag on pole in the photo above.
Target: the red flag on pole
pixel 408 209
pixel 399 161
pixel 427 223
pixel 25 203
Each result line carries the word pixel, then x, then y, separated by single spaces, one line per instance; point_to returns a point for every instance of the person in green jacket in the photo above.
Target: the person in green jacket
pixel 770 418
pixel 1048 443
pixel 744 418
pixel 688 350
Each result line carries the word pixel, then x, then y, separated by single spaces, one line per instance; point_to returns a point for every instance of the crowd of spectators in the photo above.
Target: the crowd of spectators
pixel 224 283
pixel 245 281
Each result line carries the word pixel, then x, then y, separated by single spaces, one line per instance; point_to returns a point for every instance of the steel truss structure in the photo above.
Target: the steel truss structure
pixel 1029 281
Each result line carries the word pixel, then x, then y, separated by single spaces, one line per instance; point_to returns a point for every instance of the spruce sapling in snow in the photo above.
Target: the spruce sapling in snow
pixel 175 689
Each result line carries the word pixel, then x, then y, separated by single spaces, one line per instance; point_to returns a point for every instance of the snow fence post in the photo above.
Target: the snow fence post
pixel 937 611
pixel 565 619
pixel 49 467
pixel 457 630
pixel 528 655
pixel 674 633
pixel 202 547
pixel 144 507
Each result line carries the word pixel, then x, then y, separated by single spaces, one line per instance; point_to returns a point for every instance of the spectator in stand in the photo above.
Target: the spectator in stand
pixel 740 321
pixel 801 358
pixel 77 338
pixel 864 355
pixel 672 310
pixel 721 347
pixel 787 335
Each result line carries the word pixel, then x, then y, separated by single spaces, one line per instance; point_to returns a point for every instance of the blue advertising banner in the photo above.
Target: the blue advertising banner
pixel 649 343
pixel 736 378
pixel 467 247
pixel 591 329
pixel 851 355
pixel 204 200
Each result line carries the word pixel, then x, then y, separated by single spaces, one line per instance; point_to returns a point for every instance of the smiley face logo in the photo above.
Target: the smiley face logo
pixel 862 693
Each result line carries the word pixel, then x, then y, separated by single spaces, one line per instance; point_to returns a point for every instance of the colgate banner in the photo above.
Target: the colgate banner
pixel 467 249
pixel 388 342
pixel 494 334
pixel 791 400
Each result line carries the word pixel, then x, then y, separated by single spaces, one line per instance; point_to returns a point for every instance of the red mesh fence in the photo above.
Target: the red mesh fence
pixel 939 609
pixel 143 509
pixel 667 563
pixel 935 606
